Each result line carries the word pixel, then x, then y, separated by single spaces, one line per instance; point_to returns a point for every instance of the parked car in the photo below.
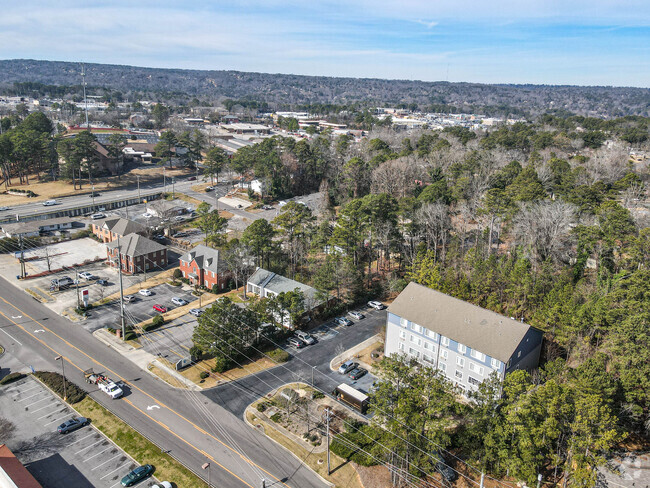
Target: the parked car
pixel 240 205
pixel 356 315
pixel 209 188
pixel 94 194
pixel 102 282
pixel 62 282
pixel 49 203
pixel 305 337
pixel 138 474
pixel 130 298
pixel 267 207
pixel 71 425
pixel 162 484
pixel 196 312
pixel 376 305
pixel 446 471
pixel 192 178
pixel 86 275
pixel 347 366
pixel 179 218
pixel 343 321
pixel 3 209
pixel 295 342
pixel 147 215
pixel 159 308
pixel 145 292
pixel 357 373
pixel 97 216
pixel 179 301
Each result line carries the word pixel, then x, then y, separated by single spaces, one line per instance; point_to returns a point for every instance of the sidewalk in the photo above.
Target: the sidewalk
pixel 140 357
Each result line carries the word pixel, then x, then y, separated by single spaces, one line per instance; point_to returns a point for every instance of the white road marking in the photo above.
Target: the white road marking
pixel 12 337
pixel 108 474
pixel 37 331
pixel 80 450
pixel 30 396
pixel 57 420
pixel 16 316
pixel 48 397
pixel 78 440
pixel 39 409
pixel 54 411
pixel 95 455
pixel 25 391
pixel 151 407
pixel 99 465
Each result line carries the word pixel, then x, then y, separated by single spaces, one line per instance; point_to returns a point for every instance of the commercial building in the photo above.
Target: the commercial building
pixel 107 230
pixel 12 472
pixel 35 228
pixel 465 342
pixel 136 254
pixel 203 266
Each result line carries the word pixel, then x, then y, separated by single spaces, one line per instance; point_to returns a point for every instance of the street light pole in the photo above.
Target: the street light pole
pixel 65 391
pixel 139 197
pixel 119 267
pixel 312 375
pixel 93 195
pixel 207 466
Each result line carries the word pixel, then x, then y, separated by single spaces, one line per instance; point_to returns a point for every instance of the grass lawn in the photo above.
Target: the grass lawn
pixel 343 473
pixel 137 446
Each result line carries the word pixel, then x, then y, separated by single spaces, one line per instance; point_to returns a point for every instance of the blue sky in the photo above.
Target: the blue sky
pixel 583 42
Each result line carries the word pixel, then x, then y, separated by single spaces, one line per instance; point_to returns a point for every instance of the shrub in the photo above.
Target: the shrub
pixel 130 335
pixel 196 352
pixel 345 450
pixel 318 394
pixel 279 356
pixel 261 407
pixel 276 417
pixel 177 274
pixel 185 280
pixel 221 364
pixel 11 377
pixel 81 234
pixel 55 382
pixel 156 322
pixel 203 375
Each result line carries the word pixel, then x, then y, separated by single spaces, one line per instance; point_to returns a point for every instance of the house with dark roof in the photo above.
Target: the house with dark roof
pixel 36 228
pixel 465 342
pixel 109 229
pixel 203 266
pixel 136 254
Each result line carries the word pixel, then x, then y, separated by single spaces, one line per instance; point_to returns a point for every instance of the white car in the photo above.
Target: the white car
pixel 97 216
pixel 162 484
pixel 305 337
pixel 376 305
pixel 130 298
pixel 86 276
pixel 3 208
pixel 145 292
pixel 179 301
pixel 147 215
pixel 49 203
pixel 196 312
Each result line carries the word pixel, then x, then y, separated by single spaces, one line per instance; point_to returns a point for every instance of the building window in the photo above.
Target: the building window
pixel 444 354
pixel 462 348
pixel 444 341
pixel 458 374
pixel 519 354
pixel 473 381
pixel 442 367
pixel 496 364
pixel 402 334
pixel 428 359
pixel 403 322
pixel 431 334
pixel 427 345
pixel 460 362
pixel 476 368
pixel 477 355
pixel 400 346
pixel 414 353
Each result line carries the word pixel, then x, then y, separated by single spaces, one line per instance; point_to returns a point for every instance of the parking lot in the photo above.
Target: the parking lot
pixel 30 415
pixel 141 309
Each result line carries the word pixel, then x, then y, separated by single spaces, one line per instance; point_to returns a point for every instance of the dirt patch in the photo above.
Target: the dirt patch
pixel 374 476
pixel 366 355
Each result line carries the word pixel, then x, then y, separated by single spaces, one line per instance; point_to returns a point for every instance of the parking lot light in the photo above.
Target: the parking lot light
pixel 65 393
pixel 207 466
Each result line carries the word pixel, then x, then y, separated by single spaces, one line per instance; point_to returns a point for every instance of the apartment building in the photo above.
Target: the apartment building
pixel 465 342
pixel 203 266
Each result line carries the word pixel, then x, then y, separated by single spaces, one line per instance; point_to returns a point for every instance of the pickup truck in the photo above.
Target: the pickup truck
pixel 104 383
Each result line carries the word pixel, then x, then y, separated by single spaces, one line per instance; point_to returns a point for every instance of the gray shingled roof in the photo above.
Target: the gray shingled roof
pixel 206 258
pixel 279 284
pixel 486 331
pixel 125 227
pixel 136 245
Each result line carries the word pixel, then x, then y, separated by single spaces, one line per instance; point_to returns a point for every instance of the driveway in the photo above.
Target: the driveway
pixel 78 459
pixel 332 340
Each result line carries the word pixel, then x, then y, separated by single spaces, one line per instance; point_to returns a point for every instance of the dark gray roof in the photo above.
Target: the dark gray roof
pixel 136 245
pixel 124 227
pixel 279 284
pixel 486 331
pixel 34 225
pixel 206 258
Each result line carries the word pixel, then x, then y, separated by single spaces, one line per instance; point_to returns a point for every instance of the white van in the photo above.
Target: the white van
pixel 49 203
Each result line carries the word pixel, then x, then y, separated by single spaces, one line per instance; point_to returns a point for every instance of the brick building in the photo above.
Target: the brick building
pixel 107 230
pixel 138 254
pixel 203 266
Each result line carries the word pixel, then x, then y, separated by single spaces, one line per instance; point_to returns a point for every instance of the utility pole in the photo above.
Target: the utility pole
pixel 65 391
pixel 76 281
pixel 83 77
pixel 93 195
pixel 173 181
pixel 164 181
pixel 327 419
pixel 22 257
pixel 312 375
pixel 139 197
pixel 119 264
pixel 207 466
pixel 482 485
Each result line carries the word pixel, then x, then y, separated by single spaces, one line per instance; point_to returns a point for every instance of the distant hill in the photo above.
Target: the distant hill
pixel 281 90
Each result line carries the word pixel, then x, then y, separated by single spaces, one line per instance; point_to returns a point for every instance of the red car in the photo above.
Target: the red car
pixel 159 308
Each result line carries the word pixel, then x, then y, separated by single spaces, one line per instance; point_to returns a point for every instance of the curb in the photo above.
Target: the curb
pixel 353 350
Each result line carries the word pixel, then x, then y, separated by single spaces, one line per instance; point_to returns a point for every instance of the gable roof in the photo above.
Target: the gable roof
pixel 13 469
pixel 124 227
pixel 486 331
pixel 136 245
pixel 206 258
pixel 281 284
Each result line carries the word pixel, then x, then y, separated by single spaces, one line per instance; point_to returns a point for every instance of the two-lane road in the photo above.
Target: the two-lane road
pixel 193 428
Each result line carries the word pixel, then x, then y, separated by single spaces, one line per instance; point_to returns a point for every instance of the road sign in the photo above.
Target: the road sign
pixel 183 363
pixel 84 294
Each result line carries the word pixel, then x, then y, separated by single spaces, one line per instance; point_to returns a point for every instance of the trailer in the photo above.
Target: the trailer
pixel 104 383
pixel 351 397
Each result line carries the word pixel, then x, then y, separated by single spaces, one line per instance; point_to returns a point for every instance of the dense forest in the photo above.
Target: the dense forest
pixel 281 91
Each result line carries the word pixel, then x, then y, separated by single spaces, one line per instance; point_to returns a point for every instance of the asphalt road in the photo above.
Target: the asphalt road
pixel 194 429
pixel 237 395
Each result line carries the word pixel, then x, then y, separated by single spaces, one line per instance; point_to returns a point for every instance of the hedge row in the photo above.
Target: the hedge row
pixel 55 382
pixel 11 377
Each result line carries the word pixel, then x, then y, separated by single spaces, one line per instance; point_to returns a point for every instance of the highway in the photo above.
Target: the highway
pixel 192 427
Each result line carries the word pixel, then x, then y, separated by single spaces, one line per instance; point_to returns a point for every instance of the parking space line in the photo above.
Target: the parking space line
pixel 100 452
pixel 99 441
pixel 108 474
pixel 56 420
pixel 48 414
pixel 100 465
pixel 39 409
pixel 25 391
pixel 30 396
pixel 79 440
